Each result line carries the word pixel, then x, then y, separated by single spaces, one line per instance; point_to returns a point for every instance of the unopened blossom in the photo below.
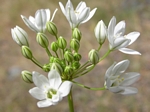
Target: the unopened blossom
pixel 119 82
pixel 80 15
pixel 19 36
pixel 117 39
pixel 100 32
pixel 38 24
pixel 50 91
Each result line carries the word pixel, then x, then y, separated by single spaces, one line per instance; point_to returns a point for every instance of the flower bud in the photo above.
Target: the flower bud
pixel 27 76
pixel 77 34
pixel 57 67
pixel 68 56
pixel 100 32
pixel 51 27
pixel 42 40
pixel 54 46
pixel 75 44
pixel 75 65
pixel 46 67
pixel 68 70
pixel 20 36
pixel 62 42
pixel 26 52
pixel 77 57
pixel 94 56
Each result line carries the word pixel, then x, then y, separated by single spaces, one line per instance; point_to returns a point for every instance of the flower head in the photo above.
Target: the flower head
pixel 117 39
pixel 20 36
pixel 50 91
pixel 38 24
pixel 117 81
pixel 78 16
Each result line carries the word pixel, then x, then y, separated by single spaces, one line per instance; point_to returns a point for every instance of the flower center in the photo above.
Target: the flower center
pixel 118 80
pixel 51 92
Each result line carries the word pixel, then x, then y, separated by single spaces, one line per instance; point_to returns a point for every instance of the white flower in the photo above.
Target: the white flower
pixel 78 16
pixel 100 32
pixel 50 91
pixel 118 40
pixel 117 81
pixel 20 36
pixel 38 24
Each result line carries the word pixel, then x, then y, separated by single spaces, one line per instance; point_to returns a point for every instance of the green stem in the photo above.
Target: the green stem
pixel 91 68
pixel 56 54
pixel 48 52
pixel 36 62
pixel 81 69
pixel 81 85
pixel 70 101
pixel 106 54
pixel 99 47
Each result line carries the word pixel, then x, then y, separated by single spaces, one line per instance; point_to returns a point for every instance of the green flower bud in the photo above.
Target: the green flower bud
pixel 26 52
pixel 94 56
pixel 75 44
pixel 27 76
pixel 54 46
pixel 42 40
pixel 62 42
pixel 68 70
pixel 51 60
pixel 75 65
pixel 57 67
pixel 51 27
pixel 68 56
pixel 46 67
pixel 77 34
pixel 77 57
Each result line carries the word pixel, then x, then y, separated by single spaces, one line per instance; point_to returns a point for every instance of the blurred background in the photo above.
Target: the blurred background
pixel 14 96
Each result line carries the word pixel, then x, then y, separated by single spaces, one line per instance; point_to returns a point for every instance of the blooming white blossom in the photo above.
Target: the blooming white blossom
pixel 78 16
pixel 20 36
pixel 38 24
pixel 117 81
pixel 50 91
pixel 100 32
pixel 118 40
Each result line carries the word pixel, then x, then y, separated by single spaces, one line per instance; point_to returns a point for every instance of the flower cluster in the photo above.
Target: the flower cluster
pixel 64 64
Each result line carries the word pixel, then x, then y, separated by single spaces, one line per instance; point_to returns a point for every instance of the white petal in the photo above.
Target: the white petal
pixel 41 19
pixel 54 79
pixel 80 6
pixel 116 89
pixel 132 36
pixel 129 91
pixel 53 15
pixel 120 28
pixel 37 93
pixel 90 15
pixel 83 15
pixel 29 24
pixel 32 20
pixel 111 28
pixel 62 8
pixel 23 32
pixel 47 14
pixel 65 88
pixel 40 81
pixel 120 43
pixel 44 103
pixel 129 51
pixel 109 71
pixel 120 67
pixel 56 98
pixel 130 78
pixel 69 4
